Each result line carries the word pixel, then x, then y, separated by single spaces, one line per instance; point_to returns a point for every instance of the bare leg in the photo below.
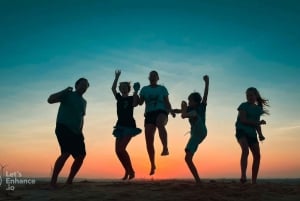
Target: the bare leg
pixel 149 134
pixel 123 156
pixel 244 158
pixel 161 122
pixel 59 164
pixel 256 161
pixel 75 168
pixel 192 167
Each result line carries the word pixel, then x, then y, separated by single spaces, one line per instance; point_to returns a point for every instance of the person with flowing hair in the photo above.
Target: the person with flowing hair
pixel 248 125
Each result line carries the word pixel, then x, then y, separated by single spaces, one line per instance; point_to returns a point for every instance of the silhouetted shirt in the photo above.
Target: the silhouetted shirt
pixel 253 113
pixel 154 98
pixel 199 113
pixel 125 111
pixel 198 127
pixel 71 111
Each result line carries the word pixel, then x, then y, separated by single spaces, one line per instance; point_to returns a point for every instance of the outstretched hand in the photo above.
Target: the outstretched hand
pixel 136 86
pixel 117 73
pixel 206 78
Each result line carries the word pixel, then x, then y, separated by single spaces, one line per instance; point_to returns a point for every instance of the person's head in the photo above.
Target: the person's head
pixel 153 77
pixel 124 87
pixel 81 85
pixel 194 99
pixel 254 97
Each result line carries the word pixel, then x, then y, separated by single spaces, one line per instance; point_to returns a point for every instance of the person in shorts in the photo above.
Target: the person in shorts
pixel 156 98
pixel 69 124
pixel 248 125
pixel 125 127
pixel 195 111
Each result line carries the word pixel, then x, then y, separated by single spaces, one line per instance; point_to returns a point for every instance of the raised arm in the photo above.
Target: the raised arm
pixel 136 87
pixel 114 85
pixel 57 97
pixel 205 94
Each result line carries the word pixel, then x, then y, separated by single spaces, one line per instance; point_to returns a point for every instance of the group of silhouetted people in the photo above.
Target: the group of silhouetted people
pixel 72 109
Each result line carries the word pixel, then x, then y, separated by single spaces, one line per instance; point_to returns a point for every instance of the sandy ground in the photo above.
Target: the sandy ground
pixel 160 190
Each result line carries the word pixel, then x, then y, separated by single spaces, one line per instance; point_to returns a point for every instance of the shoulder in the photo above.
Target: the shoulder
pixel 68 94
pixel 203 105
pixel 163 89
pixel 145 88
pixel 130 98
pixel 243 106
pixel 118 96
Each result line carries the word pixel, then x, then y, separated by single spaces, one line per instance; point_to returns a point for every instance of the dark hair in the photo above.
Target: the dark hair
pixel 263 103
pixel 196 97
pixel 127 84
pixel 155 72
pixel 80 80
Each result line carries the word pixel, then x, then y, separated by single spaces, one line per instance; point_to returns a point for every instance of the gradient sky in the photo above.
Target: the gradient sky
pixel 46 46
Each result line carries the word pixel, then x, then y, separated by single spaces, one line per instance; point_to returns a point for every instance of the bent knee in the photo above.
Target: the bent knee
pixel 188 156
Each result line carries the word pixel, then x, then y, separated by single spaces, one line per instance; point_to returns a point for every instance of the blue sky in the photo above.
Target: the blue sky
pixel 46 46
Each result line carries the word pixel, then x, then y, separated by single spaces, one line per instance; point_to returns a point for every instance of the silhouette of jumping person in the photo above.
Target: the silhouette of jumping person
pixel 69 124
pixel 195 111
pixel 125 127
pixel 248 124
pixel 157 109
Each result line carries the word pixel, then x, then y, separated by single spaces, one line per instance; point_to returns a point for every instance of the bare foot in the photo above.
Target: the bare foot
pixel 131 175
pixel 152 171
pixel 165 152
pixel 243 180
pixel 125 176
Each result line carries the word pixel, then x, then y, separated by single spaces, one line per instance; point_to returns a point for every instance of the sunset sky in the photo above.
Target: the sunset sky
pixel 45 46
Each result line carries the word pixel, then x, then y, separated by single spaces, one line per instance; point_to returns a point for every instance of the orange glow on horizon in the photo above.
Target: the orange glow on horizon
pixel 215 157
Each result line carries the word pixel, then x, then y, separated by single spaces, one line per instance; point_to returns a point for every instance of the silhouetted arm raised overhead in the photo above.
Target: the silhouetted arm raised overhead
pixel 114 85
pixel 205 94
pixel 57 97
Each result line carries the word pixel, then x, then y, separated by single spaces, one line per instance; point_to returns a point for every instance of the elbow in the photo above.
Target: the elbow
pixel 49 101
